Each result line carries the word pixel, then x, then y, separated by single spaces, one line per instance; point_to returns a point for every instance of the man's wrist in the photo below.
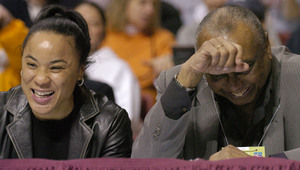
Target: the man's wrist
pixel 187 89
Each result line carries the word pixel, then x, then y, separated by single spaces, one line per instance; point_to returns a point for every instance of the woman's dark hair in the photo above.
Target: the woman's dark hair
pixel 56 19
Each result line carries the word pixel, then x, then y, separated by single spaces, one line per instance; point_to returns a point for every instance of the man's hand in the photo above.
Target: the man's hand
pixel 215 56
pixel 228 152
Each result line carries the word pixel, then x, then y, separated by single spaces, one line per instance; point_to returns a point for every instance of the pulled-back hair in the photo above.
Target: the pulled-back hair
pixel 226 19
pixel 56 19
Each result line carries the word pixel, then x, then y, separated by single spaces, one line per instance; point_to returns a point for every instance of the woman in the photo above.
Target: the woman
pixel 134 34
pixel 52 114
pixel 109 68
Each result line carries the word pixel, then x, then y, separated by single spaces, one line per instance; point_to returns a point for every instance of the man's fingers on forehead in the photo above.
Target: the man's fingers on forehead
pixel 239 54
pixel 242 67
pixel 215 42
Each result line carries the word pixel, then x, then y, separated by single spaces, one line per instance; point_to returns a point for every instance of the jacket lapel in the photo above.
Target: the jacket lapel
pixel 274 138
pixel 81 133
pixel 19 130
pixel 206 135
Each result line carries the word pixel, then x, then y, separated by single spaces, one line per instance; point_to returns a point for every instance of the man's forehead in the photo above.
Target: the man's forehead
pixel 243 36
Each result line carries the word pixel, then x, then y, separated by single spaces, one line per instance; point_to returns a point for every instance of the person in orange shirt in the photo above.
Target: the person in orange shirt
pixel 135 35
pixel 12 34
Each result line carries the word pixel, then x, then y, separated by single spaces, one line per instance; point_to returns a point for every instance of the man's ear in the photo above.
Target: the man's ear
pixel 268 46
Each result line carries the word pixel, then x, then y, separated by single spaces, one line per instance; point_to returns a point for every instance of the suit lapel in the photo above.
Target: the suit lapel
pixel 274 138
pixel 205 118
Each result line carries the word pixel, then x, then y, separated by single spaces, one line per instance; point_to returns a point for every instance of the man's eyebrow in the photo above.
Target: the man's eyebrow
pixel 249 61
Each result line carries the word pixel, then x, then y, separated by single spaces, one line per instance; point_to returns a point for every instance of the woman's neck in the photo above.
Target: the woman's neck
pixel 131 29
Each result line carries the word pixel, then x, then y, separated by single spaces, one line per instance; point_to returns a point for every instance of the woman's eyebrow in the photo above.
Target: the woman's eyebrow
pixel 30 57
pixel 58 61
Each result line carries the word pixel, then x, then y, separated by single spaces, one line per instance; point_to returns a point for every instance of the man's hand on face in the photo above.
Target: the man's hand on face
pixel 215 56
pixel 228 152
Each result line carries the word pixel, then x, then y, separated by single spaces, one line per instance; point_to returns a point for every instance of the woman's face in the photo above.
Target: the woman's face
pixel 50 70
pixel 95 24
pixel 140 13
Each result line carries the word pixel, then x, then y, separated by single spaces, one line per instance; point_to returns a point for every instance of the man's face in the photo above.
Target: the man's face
pixel 243 88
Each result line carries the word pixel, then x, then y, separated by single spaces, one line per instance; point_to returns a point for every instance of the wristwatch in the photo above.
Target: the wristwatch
pixel 187 89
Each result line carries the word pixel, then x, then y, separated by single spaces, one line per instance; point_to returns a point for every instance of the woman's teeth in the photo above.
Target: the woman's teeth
pixel 43 94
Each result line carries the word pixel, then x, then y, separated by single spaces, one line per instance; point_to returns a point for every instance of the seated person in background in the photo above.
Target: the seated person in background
pixel 107 67
pixel 186 33
pixel 293 42
pixel 234 91
pixel 259 9
pixel 27 10
pixel 12 34
pixel 169 17
pixel 52 114
pixel 134 34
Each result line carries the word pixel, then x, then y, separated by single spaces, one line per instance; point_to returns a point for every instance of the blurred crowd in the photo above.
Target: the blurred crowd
pixel 132 41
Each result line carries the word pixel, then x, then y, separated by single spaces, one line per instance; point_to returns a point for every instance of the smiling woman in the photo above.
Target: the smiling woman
pixel 53 108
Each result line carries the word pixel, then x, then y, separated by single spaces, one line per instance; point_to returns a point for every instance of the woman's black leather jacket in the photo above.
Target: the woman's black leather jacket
pixel 101 129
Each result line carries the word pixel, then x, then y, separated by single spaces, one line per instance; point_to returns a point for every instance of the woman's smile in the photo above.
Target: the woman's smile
pixel 42 97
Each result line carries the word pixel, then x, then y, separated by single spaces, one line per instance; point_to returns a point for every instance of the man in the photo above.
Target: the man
pixel 232 92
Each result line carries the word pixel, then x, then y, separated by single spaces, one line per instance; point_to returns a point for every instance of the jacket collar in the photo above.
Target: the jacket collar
pixel 19 129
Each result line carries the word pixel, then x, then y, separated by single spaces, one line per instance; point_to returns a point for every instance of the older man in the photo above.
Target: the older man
pixel 234 91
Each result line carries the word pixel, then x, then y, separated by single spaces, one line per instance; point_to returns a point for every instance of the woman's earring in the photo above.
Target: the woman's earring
pixel 80 82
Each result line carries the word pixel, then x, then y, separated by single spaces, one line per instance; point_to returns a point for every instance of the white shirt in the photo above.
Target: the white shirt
pixel 110 69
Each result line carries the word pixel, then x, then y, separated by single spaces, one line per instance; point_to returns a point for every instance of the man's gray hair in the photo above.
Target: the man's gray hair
pixel 224 20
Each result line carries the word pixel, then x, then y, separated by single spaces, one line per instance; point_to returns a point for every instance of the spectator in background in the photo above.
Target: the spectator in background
pixel 170 17
pixel 259 9
pixel 12 34
pixel 186 34
pixel 186 9
pixel 135 35
pixel 107 67
pixel 283 16
pixel 27 10
pixel 294 42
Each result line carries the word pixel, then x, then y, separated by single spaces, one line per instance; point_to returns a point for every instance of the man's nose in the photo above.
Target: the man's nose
pixel 234 81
